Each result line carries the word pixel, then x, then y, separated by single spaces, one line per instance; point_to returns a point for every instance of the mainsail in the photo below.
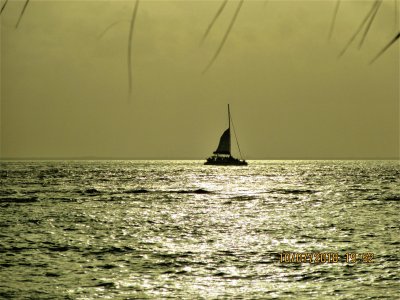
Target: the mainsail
pixel 224 146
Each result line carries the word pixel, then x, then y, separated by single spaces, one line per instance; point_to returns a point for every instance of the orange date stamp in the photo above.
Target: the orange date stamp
pixel 325 257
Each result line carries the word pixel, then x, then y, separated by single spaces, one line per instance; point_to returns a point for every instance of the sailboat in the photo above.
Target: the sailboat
pixel 222 156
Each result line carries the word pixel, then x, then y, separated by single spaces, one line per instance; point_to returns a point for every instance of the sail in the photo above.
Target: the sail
pixel 224 146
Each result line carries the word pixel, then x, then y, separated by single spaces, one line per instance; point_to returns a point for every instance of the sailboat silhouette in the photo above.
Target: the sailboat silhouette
pixel 222 156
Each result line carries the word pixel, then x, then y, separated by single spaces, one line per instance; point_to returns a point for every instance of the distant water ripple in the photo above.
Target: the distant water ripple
pixel 179 229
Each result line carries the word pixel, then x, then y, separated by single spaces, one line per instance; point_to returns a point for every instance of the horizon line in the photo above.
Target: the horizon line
pixel 188 158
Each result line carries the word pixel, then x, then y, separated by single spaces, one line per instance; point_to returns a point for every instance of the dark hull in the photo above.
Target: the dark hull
pixel 226 162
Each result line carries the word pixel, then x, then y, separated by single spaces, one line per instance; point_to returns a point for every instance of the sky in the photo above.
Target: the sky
pixel 65 91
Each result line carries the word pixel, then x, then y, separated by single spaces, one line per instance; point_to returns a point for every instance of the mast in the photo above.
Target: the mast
pixel 229 118
pixel 229 127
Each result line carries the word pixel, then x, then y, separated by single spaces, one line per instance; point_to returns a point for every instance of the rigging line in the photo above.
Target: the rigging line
pixel 359 28
pixel 109 27
pixel 385 48
pixel 225 37
pixel 237 142
pixel 22 13
pixel 135 9
pixel 221 8
pixel 371 20
pixel 3 7
pixel 334 19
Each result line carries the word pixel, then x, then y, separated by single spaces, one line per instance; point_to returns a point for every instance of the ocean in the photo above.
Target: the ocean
pixel 182 230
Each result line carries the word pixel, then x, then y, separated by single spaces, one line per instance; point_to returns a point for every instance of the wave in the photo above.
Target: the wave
pixel 19 199
pixel 142 191
pixel 243 198
pixel 7 192
pixel 198 191
pixel 91 191
pixel 106 285
pixel 30 197
pixel 292 191
pixel 110 250
pixel 392 198
pixel 137 191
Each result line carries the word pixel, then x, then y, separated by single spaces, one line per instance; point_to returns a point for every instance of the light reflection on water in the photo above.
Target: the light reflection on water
pixel 157 229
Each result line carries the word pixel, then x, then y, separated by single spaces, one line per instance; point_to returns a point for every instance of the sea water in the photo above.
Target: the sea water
pixel 182 230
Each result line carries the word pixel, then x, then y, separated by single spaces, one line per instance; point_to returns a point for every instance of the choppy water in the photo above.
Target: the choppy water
pixel 178 229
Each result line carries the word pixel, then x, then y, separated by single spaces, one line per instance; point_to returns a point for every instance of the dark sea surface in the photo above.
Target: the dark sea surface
pixel 182 230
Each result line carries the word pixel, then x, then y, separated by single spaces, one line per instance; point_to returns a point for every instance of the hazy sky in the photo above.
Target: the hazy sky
pixel 64 82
